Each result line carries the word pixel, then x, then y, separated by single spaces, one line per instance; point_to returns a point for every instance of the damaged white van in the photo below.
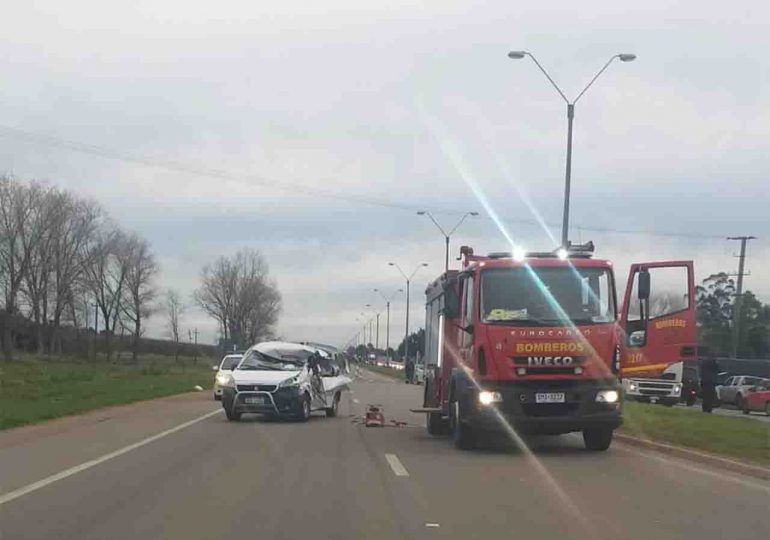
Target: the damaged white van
pixel 284 379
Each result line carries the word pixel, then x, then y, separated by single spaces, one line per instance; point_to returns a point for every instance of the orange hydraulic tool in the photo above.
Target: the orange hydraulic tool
pixel 374 416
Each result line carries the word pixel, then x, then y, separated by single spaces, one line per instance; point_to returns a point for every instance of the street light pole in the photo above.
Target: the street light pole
pixel 517 55
pixel 387 319
pixel 408 280
pixel 447 235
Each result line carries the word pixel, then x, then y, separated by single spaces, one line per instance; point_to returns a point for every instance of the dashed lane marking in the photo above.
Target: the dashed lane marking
pixel 396 465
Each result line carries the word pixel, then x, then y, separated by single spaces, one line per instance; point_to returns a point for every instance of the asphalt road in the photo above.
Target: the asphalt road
pixel 335 479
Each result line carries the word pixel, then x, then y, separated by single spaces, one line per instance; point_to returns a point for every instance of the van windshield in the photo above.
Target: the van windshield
pixel 551 296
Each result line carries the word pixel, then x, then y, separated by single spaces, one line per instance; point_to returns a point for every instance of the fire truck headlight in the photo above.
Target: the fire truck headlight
pixel 678 388
pixel 562 253
pixel 521 371
pixel 488 398
pixel 607 396
pixel 578 370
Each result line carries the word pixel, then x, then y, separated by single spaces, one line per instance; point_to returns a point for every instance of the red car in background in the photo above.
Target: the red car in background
pixel 758 399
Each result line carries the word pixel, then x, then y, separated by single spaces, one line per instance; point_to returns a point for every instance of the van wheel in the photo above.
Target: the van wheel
pixel 462 435
pixel 597 439
pixel 331 412
pixel 303 412
pixel 232 416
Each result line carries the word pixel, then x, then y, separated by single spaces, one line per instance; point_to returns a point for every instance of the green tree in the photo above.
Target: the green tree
pixel 416 344
pixel 715 299
pixel 714 304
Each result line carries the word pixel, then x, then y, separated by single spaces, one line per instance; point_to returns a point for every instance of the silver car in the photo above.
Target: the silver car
pixel 735 389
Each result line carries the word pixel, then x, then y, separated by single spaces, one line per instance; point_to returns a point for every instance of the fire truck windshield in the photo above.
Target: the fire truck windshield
pixel 548 296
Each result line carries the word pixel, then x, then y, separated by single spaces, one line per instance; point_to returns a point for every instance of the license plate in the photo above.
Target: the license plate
pixel 549 397
pixel 254 400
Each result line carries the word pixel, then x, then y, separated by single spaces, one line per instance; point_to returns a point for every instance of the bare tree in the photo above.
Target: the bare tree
pixel 38 240
pixel 16 210
pixel 105 277
pixel 76 223
pixel 173 308
pixel 139 290
pixel 240 295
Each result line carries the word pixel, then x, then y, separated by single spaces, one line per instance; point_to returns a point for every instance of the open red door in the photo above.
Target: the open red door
pixel 658 318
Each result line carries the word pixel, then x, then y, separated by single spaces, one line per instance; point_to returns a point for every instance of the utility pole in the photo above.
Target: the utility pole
pixel 738 304
pixel 195 333
pixel 377 337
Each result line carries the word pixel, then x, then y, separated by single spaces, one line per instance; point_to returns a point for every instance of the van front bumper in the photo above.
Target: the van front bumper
pixel 282 401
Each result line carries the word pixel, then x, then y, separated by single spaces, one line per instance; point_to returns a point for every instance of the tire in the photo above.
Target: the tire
pixel 767 408
pixel 232 416
pixel 690 401
pixel 462 434
pixel 331 412
pixel 303 414
pixel 739 401
pixel 597 439
pixel 436 424
pixel 746 408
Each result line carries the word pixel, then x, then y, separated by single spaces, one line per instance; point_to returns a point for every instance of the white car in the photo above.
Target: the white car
pixel 227 364
pixel 278 378
pixel 735 388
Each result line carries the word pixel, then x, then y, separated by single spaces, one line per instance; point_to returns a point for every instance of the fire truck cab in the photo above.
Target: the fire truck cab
pixel 530 343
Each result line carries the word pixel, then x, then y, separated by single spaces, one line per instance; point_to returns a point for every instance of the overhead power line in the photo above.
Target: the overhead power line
pixel 292 187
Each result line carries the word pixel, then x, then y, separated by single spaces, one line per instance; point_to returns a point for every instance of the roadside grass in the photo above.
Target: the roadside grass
pixel 738 438
pixel 34 390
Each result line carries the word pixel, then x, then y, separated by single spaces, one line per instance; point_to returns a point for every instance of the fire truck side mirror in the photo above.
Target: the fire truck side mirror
pixel 451 302
pixel 644 285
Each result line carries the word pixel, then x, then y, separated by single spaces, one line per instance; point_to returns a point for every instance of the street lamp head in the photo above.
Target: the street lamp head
pixel 474 214
pixel 424 264
pixel 421 213
pixel 517 55
pixel 391 264
pixel 627 57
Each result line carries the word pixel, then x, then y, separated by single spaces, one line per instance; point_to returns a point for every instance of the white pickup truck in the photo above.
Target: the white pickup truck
pixel 285 379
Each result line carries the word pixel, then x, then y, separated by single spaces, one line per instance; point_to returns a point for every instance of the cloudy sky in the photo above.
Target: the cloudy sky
pixel 313 131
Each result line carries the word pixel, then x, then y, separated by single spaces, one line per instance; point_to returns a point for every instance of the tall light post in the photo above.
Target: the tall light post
pixel 387 318
pixel 408 280
pixel 517 55
pixel 446 234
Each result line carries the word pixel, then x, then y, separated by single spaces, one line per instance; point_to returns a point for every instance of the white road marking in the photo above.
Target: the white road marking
pixel 15 494
pixel 355 400
pixel 396 465
pixel 432 525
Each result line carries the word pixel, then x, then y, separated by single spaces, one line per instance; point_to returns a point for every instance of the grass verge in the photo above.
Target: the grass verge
pixel 738 438
pixel 33 390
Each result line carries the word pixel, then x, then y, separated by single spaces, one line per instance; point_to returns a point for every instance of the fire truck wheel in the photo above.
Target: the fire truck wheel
pixel 462 435
pixel 331 412
pixel 597 439
pixel 767 408
pixel 436 424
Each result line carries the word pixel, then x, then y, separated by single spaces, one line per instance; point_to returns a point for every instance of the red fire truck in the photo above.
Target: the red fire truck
pixel 531 342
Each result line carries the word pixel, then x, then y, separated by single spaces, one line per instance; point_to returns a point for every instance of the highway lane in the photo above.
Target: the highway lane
pixel 330 478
